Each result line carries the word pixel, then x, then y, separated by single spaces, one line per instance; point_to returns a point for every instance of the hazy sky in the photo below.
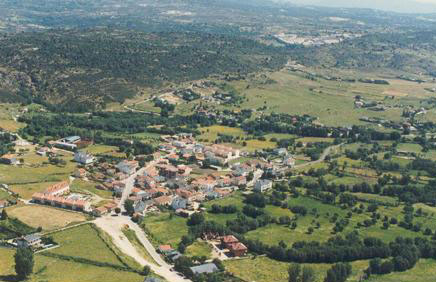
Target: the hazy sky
pixel 406 6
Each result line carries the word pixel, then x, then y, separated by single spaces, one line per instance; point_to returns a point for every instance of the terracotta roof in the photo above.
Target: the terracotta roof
pixel 165 248
pixel 56 187
pixel 237 247
pixel 162 200
pixel 229 239
pixel 8 156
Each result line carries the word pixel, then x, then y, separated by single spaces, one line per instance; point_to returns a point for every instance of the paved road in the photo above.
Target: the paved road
pixel 324 154
pixel 130 183
pixel 113 225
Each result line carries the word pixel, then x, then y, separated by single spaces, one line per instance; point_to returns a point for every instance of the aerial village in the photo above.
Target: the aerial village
pixel 180 176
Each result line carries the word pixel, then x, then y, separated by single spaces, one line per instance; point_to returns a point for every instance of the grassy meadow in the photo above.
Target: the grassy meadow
pixel 165 229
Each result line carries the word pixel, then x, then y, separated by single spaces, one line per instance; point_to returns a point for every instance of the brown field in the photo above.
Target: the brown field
pixel 47 217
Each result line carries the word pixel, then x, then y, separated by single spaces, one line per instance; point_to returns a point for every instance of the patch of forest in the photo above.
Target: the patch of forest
pixel 83 70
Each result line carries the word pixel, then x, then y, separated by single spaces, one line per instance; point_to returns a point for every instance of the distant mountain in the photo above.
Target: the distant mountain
pixel 400 6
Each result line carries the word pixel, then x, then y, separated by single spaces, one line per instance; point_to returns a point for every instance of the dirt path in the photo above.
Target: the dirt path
pixel 113 225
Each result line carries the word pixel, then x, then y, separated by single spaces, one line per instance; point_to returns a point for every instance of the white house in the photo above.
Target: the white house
pixel 83 157
pixel 289 161
pixel 127 167
pixel 179 203
pixel 29 241
pixel 281 151
pixel 262 185
pixel 119 187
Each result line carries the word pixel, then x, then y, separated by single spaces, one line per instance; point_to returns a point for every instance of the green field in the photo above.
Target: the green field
pixel 54 270
pixel 211 133
pixel 97 149
pixel 87 187
pixel 4 195
pixel 28 179
pixel 164 229
pixel 263 269
pixel 424 271
pixel 331 101
pixel 7 122
pixel 85 242
pixel 200 249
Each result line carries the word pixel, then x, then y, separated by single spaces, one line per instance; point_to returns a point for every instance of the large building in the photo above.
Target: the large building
pixel 262 185
pixel 83 157
pixel 127 167
pixel 55 196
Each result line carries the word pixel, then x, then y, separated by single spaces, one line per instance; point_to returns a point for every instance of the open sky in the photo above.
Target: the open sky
pixel 402 6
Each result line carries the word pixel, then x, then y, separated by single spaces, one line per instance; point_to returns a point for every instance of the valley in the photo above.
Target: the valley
pixel 223 141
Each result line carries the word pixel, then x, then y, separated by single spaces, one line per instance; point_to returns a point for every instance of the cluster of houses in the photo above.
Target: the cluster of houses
pixel 185 147
pixel 58 195
pixel 167 181
pixel 165 184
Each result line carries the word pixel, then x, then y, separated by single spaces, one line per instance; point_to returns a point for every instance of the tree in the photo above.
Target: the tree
pixel 117 210
pixel 181 248
pixel 338 273
pixel 308 274
pixel 183 265
pixel 4 215
pixel 128 205
pixel 24 262
pixel 375 265
pixel 146 270
pixel 386 267
pixel 294 272
pixel 195 219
